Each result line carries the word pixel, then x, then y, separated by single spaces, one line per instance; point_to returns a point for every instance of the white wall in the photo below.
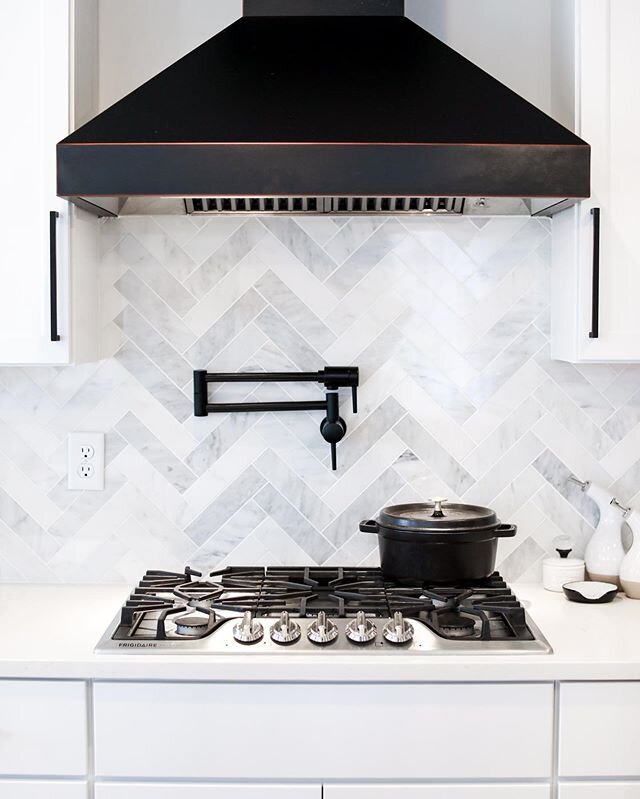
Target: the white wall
pixel 510 39
pixel 139 38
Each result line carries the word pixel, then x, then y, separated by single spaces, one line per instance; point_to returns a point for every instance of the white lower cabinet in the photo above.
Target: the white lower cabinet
pixel 324 732
pixel 599 790
pixel 43 728
pixel 42 789
pixel 599 730
pixel 440 791
pixel 150 790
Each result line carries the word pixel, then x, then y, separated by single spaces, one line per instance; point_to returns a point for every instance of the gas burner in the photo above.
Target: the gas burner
pixel 454 625
pixel 193 625
pixel 303 609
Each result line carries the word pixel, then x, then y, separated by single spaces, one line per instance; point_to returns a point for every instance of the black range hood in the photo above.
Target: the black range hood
pixel 324 105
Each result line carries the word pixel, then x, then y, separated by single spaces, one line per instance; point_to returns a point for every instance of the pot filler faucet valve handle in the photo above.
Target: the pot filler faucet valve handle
pixel 333 427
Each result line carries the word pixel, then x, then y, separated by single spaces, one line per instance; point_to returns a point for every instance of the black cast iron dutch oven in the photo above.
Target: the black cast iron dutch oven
pixel 438 542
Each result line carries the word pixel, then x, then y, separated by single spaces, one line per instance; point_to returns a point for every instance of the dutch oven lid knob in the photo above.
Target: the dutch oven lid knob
pixel 438 502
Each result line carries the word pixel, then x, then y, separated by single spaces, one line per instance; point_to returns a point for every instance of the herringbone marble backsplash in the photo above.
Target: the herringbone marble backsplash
pixel 448 320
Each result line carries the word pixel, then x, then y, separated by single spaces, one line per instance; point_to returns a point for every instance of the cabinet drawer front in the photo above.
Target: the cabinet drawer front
pixel 439 791
pixel 325 731
pixel 599 729
pixel 42 789
pixel 43 728
pixel 600 790
pixel 140 790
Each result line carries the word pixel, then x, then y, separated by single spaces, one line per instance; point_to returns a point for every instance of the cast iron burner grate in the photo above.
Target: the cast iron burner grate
pixel 485 610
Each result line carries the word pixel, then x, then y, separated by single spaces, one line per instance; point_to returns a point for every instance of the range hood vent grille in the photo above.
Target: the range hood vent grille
pixel 324 205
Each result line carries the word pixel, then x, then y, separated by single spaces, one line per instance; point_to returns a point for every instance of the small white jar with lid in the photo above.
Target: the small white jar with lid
pixel 556 572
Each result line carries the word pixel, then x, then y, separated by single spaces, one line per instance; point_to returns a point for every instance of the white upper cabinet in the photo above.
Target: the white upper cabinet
pixel 39 251
pixel 596 317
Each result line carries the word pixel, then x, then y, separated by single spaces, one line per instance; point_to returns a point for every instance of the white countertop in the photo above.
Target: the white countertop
pixel 49 632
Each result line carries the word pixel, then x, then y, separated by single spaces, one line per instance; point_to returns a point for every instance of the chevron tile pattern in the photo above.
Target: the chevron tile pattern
pixel 448 319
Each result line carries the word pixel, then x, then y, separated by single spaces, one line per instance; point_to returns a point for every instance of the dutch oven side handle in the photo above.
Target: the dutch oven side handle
pixel 506 530
pixel 369 526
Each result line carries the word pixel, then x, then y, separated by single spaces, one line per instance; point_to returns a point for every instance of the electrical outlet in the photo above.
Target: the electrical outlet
pixel 86 461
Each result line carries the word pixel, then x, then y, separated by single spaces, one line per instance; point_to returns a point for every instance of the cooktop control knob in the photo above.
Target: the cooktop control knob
pixel 322 631
pixel 285 631
pixel 398 630
pixel 361 630
pixel 248 630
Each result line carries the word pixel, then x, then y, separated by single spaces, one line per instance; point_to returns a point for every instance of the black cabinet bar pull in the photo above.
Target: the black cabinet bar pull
pixel 53 274
pixel 595 287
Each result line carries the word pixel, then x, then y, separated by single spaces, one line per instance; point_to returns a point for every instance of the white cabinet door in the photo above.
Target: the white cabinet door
pixel 43 728
pixel 324 731
pixel 440 791
pixel 599 790
pixel 34 97
pixel 598 734
pixel 607 117
pixel 42 789
pixel 194 791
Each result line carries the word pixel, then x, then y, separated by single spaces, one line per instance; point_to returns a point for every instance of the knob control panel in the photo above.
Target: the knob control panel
pixel 361 630
pixel 398 630
pixel 322 631
pixel 285 631
pixel 248 630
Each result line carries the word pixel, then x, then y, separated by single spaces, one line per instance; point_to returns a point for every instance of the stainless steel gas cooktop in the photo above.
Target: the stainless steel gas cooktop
pixel 311 610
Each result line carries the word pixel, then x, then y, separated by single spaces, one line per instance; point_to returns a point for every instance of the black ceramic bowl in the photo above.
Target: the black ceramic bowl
pixel 590 593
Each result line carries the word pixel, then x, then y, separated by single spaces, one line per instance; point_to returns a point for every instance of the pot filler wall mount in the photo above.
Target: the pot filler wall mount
pixel 333 427
pixel 259 120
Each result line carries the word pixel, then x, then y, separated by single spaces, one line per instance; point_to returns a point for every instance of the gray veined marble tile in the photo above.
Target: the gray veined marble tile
pixel 26 459
pixel 68 525
pixel 528 343
pixel 154 346
pixel 434 455
pixel 369 431
pixel 225 505
pixel 225 258
pixel 155 311
pixel 576 421
pixel 364 506
pixel 299 315
pixel 297 241
pixel 565 517
pixel 225 329
pixel 292 344
pixel 624 420
pixel 352 236
pixel 213 233
pixel 164 248
pixel 581 391
pixel 294 489
pixel 382 242
pixel 156 383
pixel 516 425
pixel 30 532
pixel 233 531
pixel 627 486
pixel 557 474
pixel 153 273
pixel 521 559
pixel 161 458
pixel 225 435
pixel 294 523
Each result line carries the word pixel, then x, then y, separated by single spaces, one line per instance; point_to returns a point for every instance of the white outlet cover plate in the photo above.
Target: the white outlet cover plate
pixel 75 460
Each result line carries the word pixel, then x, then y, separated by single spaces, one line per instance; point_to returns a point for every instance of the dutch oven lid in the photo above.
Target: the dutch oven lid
pixel 437 516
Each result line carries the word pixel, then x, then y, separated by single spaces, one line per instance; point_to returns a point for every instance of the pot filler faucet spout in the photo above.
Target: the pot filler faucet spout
pixel 333 428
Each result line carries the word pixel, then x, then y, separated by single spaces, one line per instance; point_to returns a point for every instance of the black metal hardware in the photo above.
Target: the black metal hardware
pixel 323 8
pixel 595 288
pixel 53 274
pixel 333 428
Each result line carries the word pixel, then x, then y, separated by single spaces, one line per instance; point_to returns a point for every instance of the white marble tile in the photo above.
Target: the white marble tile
pixel 295 239
pixel 436 457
